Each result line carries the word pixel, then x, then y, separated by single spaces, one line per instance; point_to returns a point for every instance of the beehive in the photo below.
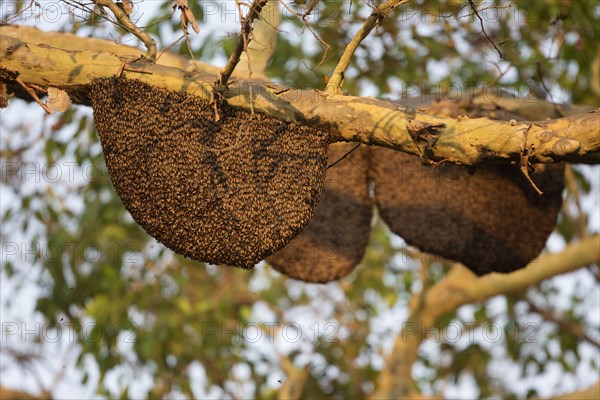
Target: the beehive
pixel 334 241
pixel 490 220
pixel 228 192
pixel 3 95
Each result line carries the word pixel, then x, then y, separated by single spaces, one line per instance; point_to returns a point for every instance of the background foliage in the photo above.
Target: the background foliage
pixel 148 323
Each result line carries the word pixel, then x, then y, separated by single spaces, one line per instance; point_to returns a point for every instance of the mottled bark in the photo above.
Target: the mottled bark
pixel 46 60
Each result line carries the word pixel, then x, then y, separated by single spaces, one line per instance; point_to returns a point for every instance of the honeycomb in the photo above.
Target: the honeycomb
pixel 239 190
pixel 491 220
pixel 3 95
pixel 334 241
pixel 229 192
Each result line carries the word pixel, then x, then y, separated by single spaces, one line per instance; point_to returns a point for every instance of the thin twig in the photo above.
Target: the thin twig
pixel 344 156
pixel 566 325
pixel 483 29
pixel 525 164
pixel 183 36
pixel 126 23
pixel 559 113
pixel 138 70
pixel 31 3
pixel 249 62
pixel 304 18
pixel 243 41
pixel 335 80
pixel 326 47
pixel 14 75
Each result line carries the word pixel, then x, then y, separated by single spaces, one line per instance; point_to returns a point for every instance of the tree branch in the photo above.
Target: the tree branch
pixel 124 20
pixel 590 393
pixel 243 40
pixel 564 324
pixel 337 77
pixel 366 120
pixel 461 287
pixel 69 41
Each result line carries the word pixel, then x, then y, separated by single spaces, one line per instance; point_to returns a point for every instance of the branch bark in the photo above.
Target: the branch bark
pixel 590 393
pixel 461 286
pixel 45 63
pixel 6 393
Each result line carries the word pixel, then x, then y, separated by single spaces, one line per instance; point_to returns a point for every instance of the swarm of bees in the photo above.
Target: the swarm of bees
pixel 334 241
pixel 490 219
pixel 242 189
pixel 228 192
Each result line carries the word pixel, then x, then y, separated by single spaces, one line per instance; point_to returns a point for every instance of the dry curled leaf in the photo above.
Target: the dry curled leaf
pixel 187 16
pixel 126 6
pixel 58 100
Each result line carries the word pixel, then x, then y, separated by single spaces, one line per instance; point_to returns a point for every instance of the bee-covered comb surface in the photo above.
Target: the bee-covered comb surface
pixel 334 241
pixel 490 219
pixel 228 192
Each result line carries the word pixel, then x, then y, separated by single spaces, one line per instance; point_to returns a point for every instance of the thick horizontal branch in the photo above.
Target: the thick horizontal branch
pixel 589 393
pixel 69 41
pixel 461 286
pixel 45 60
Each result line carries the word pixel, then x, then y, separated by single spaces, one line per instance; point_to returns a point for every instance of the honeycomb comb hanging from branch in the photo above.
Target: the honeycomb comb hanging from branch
pixel 229 192
pixel 491 220
pixel 334 241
